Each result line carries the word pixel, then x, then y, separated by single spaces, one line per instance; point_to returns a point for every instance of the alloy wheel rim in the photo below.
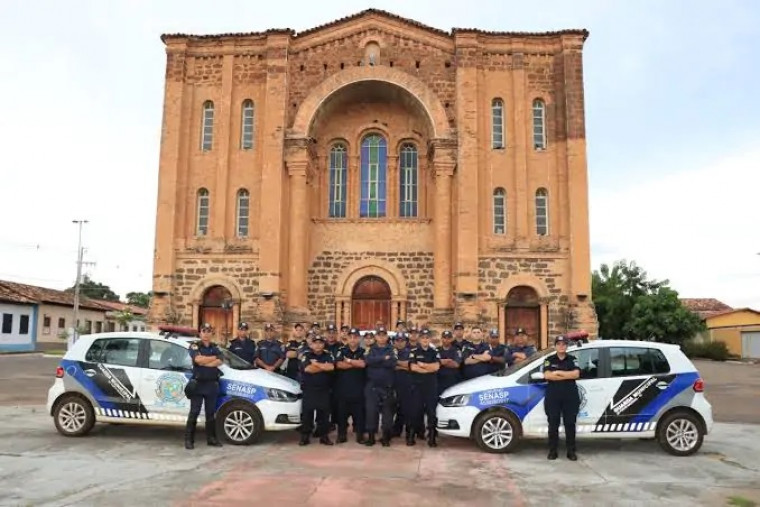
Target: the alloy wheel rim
pixel 72 417
pixel 497 433
pixel 239 425
pixel 682 435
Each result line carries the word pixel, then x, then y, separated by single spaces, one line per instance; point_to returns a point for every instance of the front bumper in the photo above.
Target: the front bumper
pixel 456 421
pixel 280 415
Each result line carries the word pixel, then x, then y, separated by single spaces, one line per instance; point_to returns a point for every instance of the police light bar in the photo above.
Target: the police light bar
pixel 577 336
pixel 177 331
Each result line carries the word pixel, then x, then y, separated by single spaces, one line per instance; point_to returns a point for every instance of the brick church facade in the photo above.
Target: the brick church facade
pixel 374 168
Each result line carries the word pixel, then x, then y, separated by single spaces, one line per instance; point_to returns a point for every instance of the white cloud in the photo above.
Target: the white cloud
pixel 699 228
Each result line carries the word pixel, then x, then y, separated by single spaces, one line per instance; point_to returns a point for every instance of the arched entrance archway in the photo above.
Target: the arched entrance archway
pixel 523 310
pixel 370 302
pixel 216 309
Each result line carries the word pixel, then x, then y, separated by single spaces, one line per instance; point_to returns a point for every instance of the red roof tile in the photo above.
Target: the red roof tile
pixel 705 307
pixel 118 306
pixel 381 13
pixel 37 294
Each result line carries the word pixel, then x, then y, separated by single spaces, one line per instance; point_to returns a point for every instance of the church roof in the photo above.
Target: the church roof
pixel 374 12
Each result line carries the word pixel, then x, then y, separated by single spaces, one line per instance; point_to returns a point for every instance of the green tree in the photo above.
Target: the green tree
pixel 94 290
pixel 661 317
pixel 124 317
pixel 630 306
pixel 140 299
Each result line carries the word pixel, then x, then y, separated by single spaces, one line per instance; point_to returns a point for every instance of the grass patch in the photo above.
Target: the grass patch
pixel 740 501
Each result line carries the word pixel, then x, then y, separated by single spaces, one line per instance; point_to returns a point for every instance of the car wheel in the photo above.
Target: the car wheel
pixel 680 433
pixel 497 432
pixel 73 416
pixel 240 423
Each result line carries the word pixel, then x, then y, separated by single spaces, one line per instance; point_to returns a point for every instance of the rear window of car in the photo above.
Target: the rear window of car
pixel 119 351
pixel 631 361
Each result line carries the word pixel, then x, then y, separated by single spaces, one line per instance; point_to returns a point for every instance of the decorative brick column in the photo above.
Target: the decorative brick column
pixel 298 160
pixel 444 163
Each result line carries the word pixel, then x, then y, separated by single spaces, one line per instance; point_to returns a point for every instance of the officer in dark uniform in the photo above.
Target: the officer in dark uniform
pixel 270 354
pixel 402 385
pixel 413 340
pixel 459 340
pixel 378 393
pixel 497 351
pixel 291 352
pixel 369 341
pixel 476 356
pixel 424 364
pixel 333 345
pixel 242 346
pixel 206 358
pixel 317 368
pixel 349 387
pixel 561 371
pixel 519 350
pixel 343 337
pixel 400 326
pixel 451 360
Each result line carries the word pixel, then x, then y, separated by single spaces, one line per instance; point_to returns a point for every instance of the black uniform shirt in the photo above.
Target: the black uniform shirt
pixel 554 363
pixel 422 355
pixel 379 369
pixel 477 369
pixel 350 381
pixel 450 353
pixel 270 351
pixel 319 380
pixel 333 348
pixel 204 372
pixel 498 351
pixel 463 344
pixel 292 346
pixel 244 348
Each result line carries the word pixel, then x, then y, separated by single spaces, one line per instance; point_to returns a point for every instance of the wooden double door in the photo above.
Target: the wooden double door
pixel 371 303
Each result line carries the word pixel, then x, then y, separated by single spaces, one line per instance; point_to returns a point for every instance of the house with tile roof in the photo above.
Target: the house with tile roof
pixel 738 328
pixel 18 317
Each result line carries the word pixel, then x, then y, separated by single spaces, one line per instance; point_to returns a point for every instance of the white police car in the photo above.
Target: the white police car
pixel 628 389
pixel 139 378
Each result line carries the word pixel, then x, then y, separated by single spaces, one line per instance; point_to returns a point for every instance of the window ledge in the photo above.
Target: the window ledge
pixel 383 220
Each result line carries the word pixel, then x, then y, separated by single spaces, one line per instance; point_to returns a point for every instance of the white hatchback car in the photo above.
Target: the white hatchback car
pixel 140 378
pixel 628 389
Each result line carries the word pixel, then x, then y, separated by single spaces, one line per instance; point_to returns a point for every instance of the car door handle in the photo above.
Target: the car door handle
pixel 662 385
pixel 90 373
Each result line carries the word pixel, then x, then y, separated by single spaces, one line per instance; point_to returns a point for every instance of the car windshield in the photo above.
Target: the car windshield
pixel 523 364
pixel 234 361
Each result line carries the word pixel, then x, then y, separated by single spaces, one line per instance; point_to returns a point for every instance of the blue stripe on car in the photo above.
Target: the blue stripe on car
pixel 74 370
pixel 519 399
pixel 681 382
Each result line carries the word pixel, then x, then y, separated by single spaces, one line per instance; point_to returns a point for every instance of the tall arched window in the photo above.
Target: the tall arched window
pixel 246 125
pixel 408 179
pixel 499 211
pixel 497 124
pixel 374 158
pixel 539 125
pixel 542 212
pixel 207 126
pixel 243 212
pixel 338 178
pixel 202 211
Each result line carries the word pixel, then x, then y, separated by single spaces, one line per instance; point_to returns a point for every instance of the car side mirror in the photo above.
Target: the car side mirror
pixel 537 376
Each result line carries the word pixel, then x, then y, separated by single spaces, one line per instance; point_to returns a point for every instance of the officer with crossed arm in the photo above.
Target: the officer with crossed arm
pixel 206 358
pixel 349 387
pixel 316 377
pixel 424 363
pixel 381 362
pixel 562 399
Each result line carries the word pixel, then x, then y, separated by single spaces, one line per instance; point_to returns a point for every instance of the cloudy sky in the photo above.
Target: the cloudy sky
pixel 672 109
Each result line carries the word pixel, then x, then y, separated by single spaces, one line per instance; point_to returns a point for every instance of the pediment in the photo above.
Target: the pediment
pixel 388 29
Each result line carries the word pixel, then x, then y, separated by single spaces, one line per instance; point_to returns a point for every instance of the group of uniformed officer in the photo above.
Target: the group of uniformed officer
pixel 346 376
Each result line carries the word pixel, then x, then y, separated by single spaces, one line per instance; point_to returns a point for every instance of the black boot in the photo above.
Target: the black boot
pixel 304 439
pixel 190 435
pixel 552 454
pixel 386 440
pixel 410 439
pixel 342 438
pixel 325 440
pixel 360 438
pixel 431 438
pixel 211 434
pixel 370 440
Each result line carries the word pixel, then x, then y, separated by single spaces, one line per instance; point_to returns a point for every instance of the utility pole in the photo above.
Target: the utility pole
pixel 80 255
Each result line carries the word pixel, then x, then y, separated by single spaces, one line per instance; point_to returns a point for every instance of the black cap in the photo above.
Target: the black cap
pixel 345 327
pixel 318 338
pixel 561 339
pixel 414 329
pixel 331 327
pixel 425 332
pixel 268 327
pixel 520 331
pixel 493 333
pixel 400 321
pixel 297 325
pixel 315 324
pixel 243 326
pixel 371 334
pixel 447 334
pixel 458 325
pixel 401 336
pixel 354 330
pixel 382 330
pixel 206 327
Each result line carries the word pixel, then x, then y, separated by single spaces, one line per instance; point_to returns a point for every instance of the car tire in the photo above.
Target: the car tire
pixel 680 433
pixel 497 431
pixel 240 423
pixel 73 416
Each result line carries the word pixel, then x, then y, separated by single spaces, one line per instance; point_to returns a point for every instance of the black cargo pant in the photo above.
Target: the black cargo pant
pixel 206 394
pixel 315 401
pixel 404 398
pixel 425 400
pixel 351 404
pixel 561 401
pixel 379 400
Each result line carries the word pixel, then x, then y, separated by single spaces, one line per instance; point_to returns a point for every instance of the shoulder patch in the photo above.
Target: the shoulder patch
pixel 547 363
pixel 193 346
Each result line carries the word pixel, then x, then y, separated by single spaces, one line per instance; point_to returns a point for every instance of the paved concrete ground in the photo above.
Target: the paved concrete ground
pixel 125 465
pixel 732 388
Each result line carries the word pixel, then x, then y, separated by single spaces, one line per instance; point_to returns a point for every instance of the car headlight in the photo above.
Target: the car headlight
pixel 280 395
pixel 459 400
